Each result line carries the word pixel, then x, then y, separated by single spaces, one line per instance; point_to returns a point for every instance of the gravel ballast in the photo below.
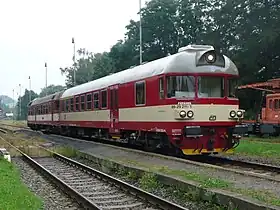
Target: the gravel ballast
pixel 256 159
pixel 53 198
pixel 239 181
pixel 166 192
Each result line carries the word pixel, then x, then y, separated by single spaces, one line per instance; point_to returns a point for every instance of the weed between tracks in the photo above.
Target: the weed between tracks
pixel 13 193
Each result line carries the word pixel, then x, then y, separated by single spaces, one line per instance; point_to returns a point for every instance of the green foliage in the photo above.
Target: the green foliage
pixel 14 194
pixel 149 181
pixel 22 104
pixel 255 147
pixel 23 101
pixel 246 31
pixel 6 103
pixel 50 90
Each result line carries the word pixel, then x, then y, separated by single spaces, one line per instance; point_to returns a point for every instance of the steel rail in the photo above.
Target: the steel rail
pixel 146 197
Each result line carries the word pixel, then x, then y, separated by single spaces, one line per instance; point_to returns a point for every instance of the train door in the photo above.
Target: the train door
pixel 114 108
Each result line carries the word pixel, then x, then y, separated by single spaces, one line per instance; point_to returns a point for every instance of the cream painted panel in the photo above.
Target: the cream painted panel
pixel 55 117
pixel 44 117
pixel 101 115
pixel 31 118
pixel 166 113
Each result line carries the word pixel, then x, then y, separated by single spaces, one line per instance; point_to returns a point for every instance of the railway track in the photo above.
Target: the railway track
pixel 94 189
pixel 259 170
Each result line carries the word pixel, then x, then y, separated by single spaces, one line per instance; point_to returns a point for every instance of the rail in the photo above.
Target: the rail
pixel 82 198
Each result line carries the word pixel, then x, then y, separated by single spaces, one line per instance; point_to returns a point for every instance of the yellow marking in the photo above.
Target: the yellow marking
pixel 196 152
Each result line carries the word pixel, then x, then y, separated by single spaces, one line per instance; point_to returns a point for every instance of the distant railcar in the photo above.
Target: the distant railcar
pixel 267 120
pixel 182 101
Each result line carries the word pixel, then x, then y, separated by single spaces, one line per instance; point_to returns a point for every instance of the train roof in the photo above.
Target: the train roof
pixel 48 98
pixel 182 62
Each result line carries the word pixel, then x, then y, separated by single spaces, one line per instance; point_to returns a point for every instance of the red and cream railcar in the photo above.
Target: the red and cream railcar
pixel 182 100
pixel 43 113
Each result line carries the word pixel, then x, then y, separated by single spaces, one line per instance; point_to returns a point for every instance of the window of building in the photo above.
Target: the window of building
pixel 140 95
pixel 210 87
pixel 161 88
pixel 89 101
pixel 180 87
pixel 96 100
pixel 104 99
pixel 77 104
pixel 82 102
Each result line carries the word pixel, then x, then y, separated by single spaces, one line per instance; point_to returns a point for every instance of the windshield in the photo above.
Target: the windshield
pixel 180 87
pixel 210 87
pixel 232 84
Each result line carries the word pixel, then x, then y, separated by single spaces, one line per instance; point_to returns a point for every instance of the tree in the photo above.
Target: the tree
pixel 89 66
pixel 22 104
pixel 245 31
pixel 50 90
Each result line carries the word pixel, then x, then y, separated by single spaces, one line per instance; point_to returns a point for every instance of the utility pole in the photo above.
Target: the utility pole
pixel 29 88
pixel 19 101
pixel 74 60
pixel 46 74
pixel 140 31
pixel 13 104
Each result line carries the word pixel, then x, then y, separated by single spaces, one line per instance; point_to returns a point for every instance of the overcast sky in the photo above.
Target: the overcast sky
pixel 33 32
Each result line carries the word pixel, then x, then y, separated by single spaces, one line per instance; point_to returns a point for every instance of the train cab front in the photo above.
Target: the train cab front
pixel 209 130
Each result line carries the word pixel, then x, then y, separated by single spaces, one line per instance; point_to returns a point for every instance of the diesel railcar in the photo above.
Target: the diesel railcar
pixel 184 101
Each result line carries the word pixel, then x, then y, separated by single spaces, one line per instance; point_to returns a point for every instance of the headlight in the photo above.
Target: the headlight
pixel 210 58
pixel 239 113
pixel 183 114
pixel 232 114
pixel 190 114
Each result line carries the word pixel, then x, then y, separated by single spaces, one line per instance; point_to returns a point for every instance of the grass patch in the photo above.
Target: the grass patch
pixel 21 123
pixel 28 144
pixel 13 193
pixel 148 181
pixel 203 181
pixel 258 148
pixel 262 196
pixel 270 139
